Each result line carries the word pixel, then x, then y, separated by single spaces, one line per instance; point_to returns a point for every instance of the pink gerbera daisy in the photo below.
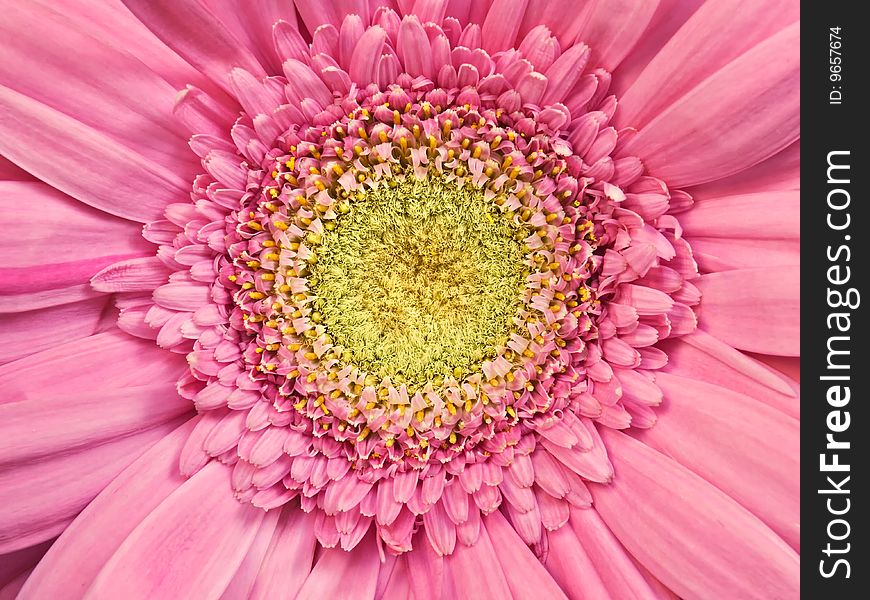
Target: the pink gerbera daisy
pixel 399 299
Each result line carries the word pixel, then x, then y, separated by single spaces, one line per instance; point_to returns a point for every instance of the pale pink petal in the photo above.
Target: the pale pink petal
pixel 499 29
pixel 22 334
pixel 779 172
pixel 61 229
pixel 566 559
pixel 133 275
pixel 562 17
pixel 743 447
pixel 611 28
pixel 336 569
pixel 83 162
pixel 757 310
pixel 190 544
pixel 764 215
pixel 707 135
pixel 85 546
pixel 74 421
pixel 667 19
pixel 723 254
pixel 469 581
pixel 113 23
pixel 611 560
pixel 106 361
pixel 246 576
pixel 719 32
pixel 289 559
pixel 702 357
pixel 715 547
pixel 198 36
pixel 115 93
pixel 525 575
pixel 40 499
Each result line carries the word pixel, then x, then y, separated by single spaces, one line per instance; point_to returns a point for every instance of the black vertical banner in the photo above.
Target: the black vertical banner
pixel 835 426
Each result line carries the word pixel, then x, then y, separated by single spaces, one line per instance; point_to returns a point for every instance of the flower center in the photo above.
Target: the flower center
pixel 420 279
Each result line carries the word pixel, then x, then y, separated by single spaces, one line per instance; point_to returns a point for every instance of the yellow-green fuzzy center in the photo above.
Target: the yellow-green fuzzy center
pixel 420 279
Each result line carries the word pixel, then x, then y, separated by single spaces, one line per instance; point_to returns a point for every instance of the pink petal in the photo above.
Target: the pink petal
pixel 20 561
pixel 566 558
pixel 116 94
pixel 745 448
pixel 702 357
pixel 668 18
pixel 190 544
pixel 611 560
pixel 778 173
pixel 289 559
pixel 716 548
pixel 72 229
pixel 706 135
pixel 198 36
pixel 95 535
pixel 22 334
pixel 84 163
pixel 715 35
pixel 611 39
pixel 106 361
pixel 763 317
pixel 469 580
pixel 529 582
pixel 414 49
pixel 499 30
pixel 363 65
pixel 133 275
pixel 765 215
pixel 70 422
pixel 246 576
pixel 40 499
pixel 336 569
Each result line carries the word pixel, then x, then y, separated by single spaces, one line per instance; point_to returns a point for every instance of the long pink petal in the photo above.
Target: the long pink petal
pixel 246 576
pixel 702 357
pixel 105 88
pixel 715 547
pixel 40 499
pixel 780 172
pixel 666 21
pixel 732 120
pixel 22 334
pixel 757 310
pixel 722 254
pixel 41 226
pixel 85 546
pixel 719 32
pixel 106 361
pixel 290 556
pixel 336 569
pixel 610 38
pixel 529 582
pixel 612 562
pixel 83 162
pixel 468 579
pixel 190 545
pixel 764 215
pixel 566 559
pixel 745 448
pixel 68 422
pixel 198 36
